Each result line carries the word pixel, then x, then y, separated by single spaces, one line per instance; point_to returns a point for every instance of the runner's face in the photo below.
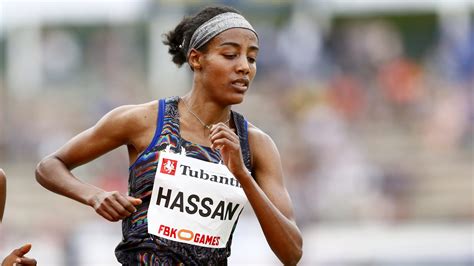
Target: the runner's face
pixel 229 64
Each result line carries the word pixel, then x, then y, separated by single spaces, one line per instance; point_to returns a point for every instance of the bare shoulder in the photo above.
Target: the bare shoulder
pixel 130 118
pixel 136 114
pixel 263 149
pixel 258 137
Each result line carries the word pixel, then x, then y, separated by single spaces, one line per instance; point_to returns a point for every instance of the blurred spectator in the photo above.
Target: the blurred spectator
pixel 347 97
pixel 448 121
pixel 400 80
pixel 299 44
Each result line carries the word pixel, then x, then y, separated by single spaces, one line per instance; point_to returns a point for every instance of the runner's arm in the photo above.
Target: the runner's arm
pixel 270 199
pixel 54 171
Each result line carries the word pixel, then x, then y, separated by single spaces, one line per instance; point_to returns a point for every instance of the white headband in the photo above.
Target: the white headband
pixel 216 25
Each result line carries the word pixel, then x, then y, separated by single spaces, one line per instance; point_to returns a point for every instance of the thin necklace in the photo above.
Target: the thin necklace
pixel 208 126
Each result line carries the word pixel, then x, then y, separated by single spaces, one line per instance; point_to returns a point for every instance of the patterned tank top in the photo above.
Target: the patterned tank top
pixel 137 246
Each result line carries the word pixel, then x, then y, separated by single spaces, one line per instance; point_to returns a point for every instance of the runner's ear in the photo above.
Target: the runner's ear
pixel 194 59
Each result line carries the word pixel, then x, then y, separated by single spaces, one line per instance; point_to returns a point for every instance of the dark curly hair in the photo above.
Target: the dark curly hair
pixel 185 29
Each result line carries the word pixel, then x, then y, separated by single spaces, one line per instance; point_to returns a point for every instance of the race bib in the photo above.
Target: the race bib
pixel 194 201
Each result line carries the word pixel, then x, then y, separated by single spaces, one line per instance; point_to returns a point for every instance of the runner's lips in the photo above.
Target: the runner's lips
pixel 243 82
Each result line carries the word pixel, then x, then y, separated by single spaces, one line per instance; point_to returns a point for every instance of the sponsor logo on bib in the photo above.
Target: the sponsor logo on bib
pixel 188 236
pixel 169 166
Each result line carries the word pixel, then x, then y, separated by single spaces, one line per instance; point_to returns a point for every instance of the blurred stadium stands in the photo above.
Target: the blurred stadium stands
pixel 370 102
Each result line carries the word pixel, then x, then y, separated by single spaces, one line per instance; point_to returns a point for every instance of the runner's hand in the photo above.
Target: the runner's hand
pixel 17 257
pixel 227 142
pixel 114 206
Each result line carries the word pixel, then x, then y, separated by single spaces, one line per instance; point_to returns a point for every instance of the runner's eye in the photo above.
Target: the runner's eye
pixel 230 56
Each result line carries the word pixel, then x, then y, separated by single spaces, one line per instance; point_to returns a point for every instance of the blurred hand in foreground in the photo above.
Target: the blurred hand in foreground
pixel 17 257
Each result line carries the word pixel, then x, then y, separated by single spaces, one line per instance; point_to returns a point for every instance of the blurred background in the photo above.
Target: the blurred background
pixel 369 102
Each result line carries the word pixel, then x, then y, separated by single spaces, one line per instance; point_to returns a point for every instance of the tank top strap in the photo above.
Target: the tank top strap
pixel 169 133
pixel 242 131
pixel 159 126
